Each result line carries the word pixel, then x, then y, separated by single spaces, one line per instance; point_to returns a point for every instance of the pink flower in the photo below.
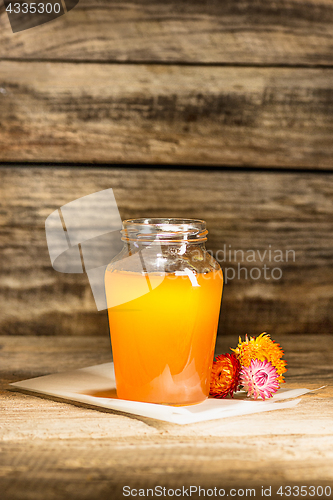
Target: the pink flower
pixel 259 379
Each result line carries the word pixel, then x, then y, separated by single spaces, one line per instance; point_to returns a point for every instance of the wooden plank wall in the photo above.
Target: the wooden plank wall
pixel 226 107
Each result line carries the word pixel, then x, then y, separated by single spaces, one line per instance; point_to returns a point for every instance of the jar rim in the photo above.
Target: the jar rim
pixel 168 229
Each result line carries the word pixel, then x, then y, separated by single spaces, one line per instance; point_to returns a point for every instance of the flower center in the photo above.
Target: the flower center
pixel 261 377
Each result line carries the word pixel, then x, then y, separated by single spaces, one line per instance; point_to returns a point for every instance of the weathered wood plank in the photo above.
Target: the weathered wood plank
pixel 98 469
pixel 166 114
pixel 51 449
pixel 309 357
pixel 255 211
pixel 242 31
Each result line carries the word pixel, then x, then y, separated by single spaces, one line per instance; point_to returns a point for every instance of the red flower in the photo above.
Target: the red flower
pixel 225 376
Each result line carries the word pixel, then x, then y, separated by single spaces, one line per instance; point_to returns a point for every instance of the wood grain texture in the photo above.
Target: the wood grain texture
pixel 233 31
pixel 166 114
pixel 247 210
pixel 53 449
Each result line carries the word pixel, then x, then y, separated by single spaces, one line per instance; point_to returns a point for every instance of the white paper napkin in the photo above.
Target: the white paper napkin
pixel 96 386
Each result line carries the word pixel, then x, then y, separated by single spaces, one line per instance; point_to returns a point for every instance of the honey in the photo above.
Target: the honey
pixel 163 331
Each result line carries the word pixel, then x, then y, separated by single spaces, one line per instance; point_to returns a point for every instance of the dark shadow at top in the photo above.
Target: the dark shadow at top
pixel 70 4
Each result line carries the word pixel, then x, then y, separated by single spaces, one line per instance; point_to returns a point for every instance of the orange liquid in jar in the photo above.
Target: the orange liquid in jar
pixel 163 339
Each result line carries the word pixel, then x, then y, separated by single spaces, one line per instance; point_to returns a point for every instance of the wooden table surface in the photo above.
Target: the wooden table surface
pixel 56 450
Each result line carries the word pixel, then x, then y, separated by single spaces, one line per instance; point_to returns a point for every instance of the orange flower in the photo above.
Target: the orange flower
pixel 261 348
pixel 225 376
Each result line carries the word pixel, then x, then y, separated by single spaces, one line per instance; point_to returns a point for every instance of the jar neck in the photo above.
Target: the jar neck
pixel 164 231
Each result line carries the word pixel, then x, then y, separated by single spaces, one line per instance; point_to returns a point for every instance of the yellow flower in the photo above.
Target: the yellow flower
pixel 262 348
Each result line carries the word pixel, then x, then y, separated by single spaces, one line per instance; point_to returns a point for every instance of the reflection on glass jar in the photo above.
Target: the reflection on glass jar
pixel 164 294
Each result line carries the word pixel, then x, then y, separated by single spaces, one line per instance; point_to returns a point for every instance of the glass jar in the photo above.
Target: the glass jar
pixel 163 294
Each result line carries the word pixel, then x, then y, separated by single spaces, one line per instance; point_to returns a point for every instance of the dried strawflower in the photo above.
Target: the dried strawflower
pixel 262 348
pixel 225 376
pixel 260 379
